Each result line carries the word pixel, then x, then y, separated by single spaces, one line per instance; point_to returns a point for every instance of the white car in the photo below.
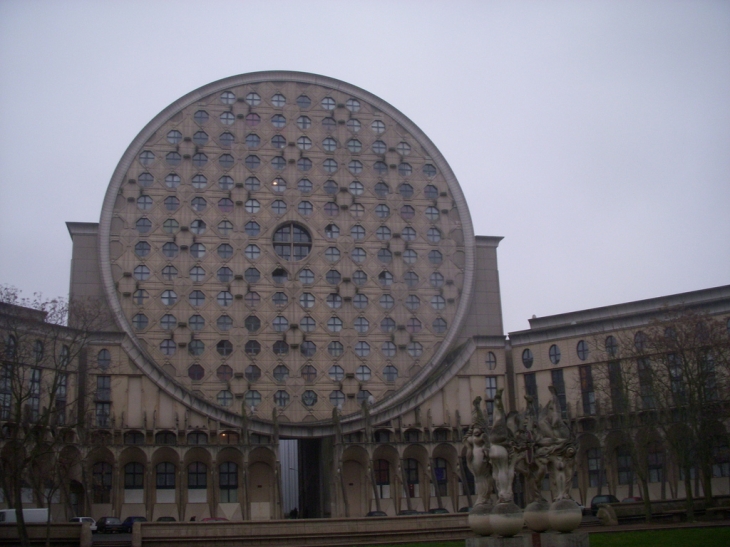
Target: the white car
pixel 91 521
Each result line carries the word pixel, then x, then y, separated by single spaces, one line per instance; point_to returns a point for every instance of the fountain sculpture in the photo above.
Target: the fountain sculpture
pixel 532 443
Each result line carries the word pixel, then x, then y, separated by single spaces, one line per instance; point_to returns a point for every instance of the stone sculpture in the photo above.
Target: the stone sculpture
pixel 531 443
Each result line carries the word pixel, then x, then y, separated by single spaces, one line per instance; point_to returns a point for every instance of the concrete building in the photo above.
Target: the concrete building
pixel 303 315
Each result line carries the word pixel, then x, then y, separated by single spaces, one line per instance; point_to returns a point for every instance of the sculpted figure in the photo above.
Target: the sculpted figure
pixel 556 446
pixel 477 454
pixel 502 453
pixel 561 458
pixel 530 464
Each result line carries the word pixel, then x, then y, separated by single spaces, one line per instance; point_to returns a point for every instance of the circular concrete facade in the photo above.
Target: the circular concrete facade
pixel 286 243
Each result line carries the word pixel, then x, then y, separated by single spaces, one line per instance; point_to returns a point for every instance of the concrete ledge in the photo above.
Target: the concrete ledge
pixel 309 532
pixel 62 535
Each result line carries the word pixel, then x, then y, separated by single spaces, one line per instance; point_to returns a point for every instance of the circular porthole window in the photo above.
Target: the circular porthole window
pixel 292 242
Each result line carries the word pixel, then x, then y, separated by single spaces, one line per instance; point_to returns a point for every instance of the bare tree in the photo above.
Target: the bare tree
pixel 42 369
pixel 671 376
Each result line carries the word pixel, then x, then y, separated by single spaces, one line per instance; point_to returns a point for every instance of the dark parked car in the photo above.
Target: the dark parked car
pixel 129 521
pixel 465 510
pixel 597 500
pixel 438 511
pixel 166 519
pixel 408 512
pixel 109 525
pixel 377 514
pixel 214 519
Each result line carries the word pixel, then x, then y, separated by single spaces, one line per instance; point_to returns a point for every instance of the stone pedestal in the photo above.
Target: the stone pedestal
pixel 494 541
pixel 571 539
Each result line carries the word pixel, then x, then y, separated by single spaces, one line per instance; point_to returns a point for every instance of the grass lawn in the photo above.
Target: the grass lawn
pixel 689 537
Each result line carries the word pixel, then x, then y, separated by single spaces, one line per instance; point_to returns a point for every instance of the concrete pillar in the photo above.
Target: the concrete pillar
pixel 85 538
pixel 137 534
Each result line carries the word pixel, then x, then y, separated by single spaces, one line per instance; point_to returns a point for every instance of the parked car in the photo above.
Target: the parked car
pixel 129 522
pixel 214 519
pixel 438 511
pixel 597 500
pixel 465 510
pixel 377 514
pixel 109 525
pixel 166 519
pixel 406 512
pixel 92 522
pixel 632 499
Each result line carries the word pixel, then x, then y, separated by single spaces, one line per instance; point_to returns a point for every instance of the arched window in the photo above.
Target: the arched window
pixel 640 341
pixel 11 347
pixel 527 358
pixel 382 478
pixel 104 359
pixel 38 351
pixel 64 356
pixel 101 482
pixel 197 476
pixel 165 476
pixel 228 481
pixel 134 476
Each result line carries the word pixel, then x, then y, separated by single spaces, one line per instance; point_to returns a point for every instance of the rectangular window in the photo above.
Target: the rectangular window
pixel 34 400
pixel 615 381
pixel 491 389
pixel 594 467
pixel 645 380
pixel 655 459
pixel 559 385
pixel 531 389
pixel 676 377
pixel 103 412
pixel 411 471
pixel 623 462
pixel 61 391
pixel 381 468
pixel 490 394
pixel 586 389
pixel 103 388
pixel 720 457
pixel 228 481
pixel 707 370
pixel 6 391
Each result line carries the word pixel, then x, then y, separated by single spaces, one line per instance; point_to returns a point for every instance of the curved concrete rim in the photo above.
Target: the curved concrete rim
pixel 169 385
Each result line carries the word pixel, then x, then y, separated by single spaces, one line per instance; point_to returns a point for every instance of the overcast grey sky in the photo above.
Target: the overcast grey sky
pixel 593 136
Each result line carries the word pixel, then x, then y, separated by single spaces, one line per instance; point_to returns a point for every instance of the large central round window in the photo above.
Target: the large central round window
pixel 292 242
